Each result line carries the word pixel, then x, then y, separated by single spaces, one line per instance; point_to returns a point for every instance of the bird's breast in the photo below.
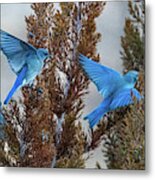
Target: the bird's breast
pixel 34 68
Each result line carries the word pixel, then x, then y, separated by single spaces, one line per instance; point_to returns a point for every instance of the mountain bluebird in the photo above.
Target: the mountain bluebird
pixel 25 60
pixel 118 90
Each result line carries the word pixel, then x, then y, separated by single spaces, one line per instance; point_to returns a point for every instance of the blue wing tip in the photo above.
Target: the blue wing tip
pixel 5 102
pixel 85 118
pixel 83 59
pixel 81 56
pixel 91 125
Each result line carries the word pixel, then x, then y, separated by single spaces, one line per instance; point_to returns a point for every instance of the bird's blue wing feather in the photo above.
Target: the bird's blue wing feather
pixel 15 50
pixel 17 84
pixel 105 78
pixel 125 97
pixel 95 116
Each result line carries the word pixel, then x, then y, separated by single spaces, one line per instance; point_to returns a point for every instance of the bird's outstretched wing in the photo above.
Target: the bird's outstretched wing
pixel 125 97
pixel 106 79
pixel 15 49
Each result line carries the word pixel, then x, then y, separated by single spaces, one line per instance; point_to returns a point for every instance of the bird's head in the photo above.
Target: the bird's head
pixel 131 76
pixel 43 53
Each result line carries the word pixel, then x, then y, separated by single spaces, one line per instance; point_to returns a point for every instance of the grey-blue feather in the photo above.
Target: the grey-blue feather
pixel 105 78
pixel 20 55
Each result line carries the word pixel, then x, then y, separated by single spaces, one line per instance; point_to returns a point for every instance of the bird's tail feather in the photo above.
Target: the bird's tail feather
pixel 17 84
pixel 95 116
pixel 11 93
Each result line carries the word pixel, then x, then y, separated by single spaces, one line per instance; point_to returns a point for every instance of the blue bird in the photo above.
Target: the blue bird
pixel 117 90
pixel 24 59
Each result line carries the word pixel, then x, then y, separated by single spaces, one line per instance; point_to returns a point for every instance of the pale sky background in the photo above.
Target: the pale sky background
pixel 110 24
